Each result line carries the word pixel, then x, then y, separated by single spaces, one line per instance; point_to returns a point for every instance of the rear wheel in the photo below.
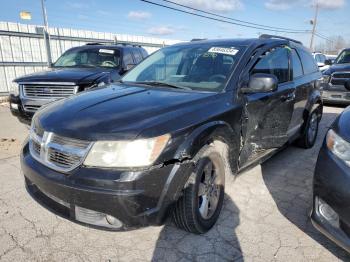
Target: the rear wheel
pixel 199 208
pixel 308 139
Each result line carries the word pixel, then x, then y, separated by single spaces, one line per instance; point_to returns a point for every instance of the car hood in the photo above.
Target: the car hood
pixel 342 125
pixel 123 112
pixel 76 75
pixel 337 68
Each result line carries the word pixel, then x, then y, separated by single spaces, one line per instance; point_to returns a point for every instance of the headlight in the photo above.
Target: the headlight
pixel 15 91
pixel 137 153
pixel 326 78
pixel 338 146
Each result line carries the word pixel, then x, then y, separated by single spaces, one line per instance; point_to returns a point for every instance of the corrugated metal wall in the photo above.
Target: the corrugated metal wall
pixel 22 47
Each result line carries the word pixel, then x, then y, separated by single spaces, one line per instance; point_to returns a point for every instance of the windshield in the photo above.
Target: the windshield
pixel 197 67
pixel 96 57
pixel 343 58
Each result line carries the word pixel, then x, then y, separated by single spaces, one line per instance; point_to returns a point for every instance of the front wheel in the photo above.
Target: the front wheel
pixel 199 208
pixel 308 138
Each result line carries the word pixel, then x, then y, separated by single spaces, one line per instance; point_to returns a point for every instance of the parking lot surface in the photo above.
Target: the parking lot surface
pixel 265 217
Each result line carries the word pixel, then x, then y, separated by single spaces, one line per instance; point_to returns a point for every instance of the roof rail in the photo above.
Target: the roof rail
pixel 198 39
pixel 96 43
pixel 265 36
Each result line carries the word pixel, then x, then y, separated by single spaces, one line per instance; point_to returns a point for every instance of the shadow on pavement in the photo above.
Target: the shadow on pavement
pixel 291 187
pixel 219 244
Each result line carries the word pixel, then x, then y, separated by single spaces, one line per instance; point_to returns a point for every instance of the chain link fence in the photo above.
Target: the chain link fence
pixel 23 51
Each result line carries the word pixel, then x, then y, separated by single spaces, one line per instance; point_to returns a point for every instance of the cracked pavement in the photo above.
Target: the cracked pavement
pixel 265 217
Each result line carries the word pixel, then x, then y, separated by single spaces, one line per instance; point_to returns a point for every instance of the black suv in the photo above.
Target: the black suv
pixel 164 139
pixel 336 84
pixel 78 69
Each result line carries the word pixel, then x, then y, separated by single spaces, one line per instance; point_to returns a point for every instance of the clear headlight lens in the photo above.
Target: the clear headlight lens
pixel 15 91
pixel 338 146
pixel 136 153
pixel 326 79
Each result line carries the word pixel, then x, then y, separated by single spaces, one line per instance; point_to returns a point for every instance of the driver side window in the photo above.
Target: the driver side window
pixel 274 62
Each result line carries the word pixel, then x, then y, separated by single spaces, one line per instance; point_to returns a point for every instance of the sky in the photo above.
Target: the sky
pixel 139 18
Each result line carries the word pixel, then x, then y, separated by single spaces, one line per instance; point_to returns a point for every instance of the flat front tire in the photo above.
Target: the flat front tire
pixel 199 208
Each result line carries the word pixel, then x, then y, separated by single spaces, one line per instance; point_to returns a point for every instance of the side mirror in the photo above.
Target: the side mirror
pixel 261 83
pixel 328 62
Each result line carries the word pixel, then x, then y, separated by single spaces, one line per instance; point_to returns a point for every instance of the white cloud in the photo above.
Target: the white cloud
pixel 221 6
pixel 330 4
pixel 139 15
pixel 278 4
pixel 287 4
pixel 161 30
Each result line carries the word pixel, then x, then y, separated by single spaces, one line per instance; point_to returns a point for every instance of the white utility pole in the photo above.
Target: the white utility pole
pixel 46 34
pixel 314 23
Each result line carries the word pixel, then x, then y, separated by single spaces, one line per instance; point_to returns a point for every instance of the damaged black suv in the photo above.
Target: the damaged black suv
pixel 163 140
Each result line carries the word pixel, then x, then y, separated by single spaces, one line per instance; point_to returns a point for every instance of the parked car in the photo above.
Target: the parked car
pixel 336 86
pixel 320 60
pixel 163 140
pixel 331 201
pixel 78 69
pixel 331 58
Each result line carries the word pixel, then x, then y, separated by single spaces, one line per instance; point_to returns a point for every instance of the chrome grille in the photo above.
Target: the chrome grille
pixel 63 160
pixel 339 78
pixel 48 90
pixel 59 153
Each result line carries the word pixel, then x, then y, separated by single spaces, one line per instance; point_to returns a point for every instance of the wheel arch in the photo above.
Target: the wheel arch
pixel 207 134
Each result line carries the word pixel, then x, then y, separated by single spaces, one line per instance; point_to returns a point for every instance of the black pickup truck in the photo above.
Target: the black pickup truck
pixel 78 69
pixel 164 138
pixel 336 84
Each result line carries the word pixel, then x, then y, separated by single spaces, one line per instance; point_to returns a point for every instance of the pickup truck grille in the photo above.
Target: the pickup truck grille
pixel 49 90
pixel 56 152
pixel 340 78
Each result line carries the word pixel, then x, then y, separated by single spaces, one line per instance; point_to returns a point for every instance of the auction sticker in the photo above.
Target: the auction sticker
pixel 223 50
pixel 106 51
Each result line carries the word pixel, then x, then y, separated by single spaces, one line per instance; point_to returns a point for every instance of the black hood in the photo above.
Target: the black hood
pixel 76 75
pixel 337 68
pixel 124 111
pixel 342 125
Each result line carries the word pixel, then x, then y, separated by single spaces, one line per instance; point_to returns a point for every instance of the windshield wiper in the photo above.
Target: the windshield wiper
pixel 157 83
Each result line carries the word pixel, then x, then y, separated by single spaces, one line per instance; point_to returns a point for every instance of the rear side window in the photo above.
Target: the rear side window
pixel 128 58
pixel 275 62
pixel 144 53
pixel 297 67
pixel 137 56
pixel 308 62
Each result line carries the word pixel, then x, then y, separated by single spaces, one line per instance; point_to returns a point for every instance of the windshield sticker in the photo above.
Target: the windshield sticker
pixel 106 51
pixel 223 50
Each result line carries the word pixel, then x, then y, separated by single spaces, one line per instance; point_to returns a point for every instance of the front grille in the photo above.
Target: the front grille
pixel 36 148
pixel 49 90
pixel 340 78
pixel 59 153
pixel 63 160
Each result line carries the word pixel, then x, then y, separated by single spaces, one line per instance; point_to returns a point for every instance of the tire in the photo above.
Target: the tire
pixel 198 209
pixel 309 136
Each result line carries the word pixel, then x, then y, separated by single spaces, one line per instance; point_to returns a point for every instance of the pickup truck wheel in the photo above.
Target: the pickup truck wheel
pixel 199 208
pixel 308 139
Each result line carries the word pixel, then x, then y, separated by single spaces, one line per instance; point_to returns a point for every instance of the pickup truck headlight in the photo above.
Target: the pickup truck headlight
pixel 338 146
pixel 326 79
pixel 15 91
pixel 136 153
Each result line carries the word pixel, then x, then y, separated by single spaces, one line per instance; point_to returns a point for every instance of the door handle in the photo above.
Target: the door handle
pixel 288 98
